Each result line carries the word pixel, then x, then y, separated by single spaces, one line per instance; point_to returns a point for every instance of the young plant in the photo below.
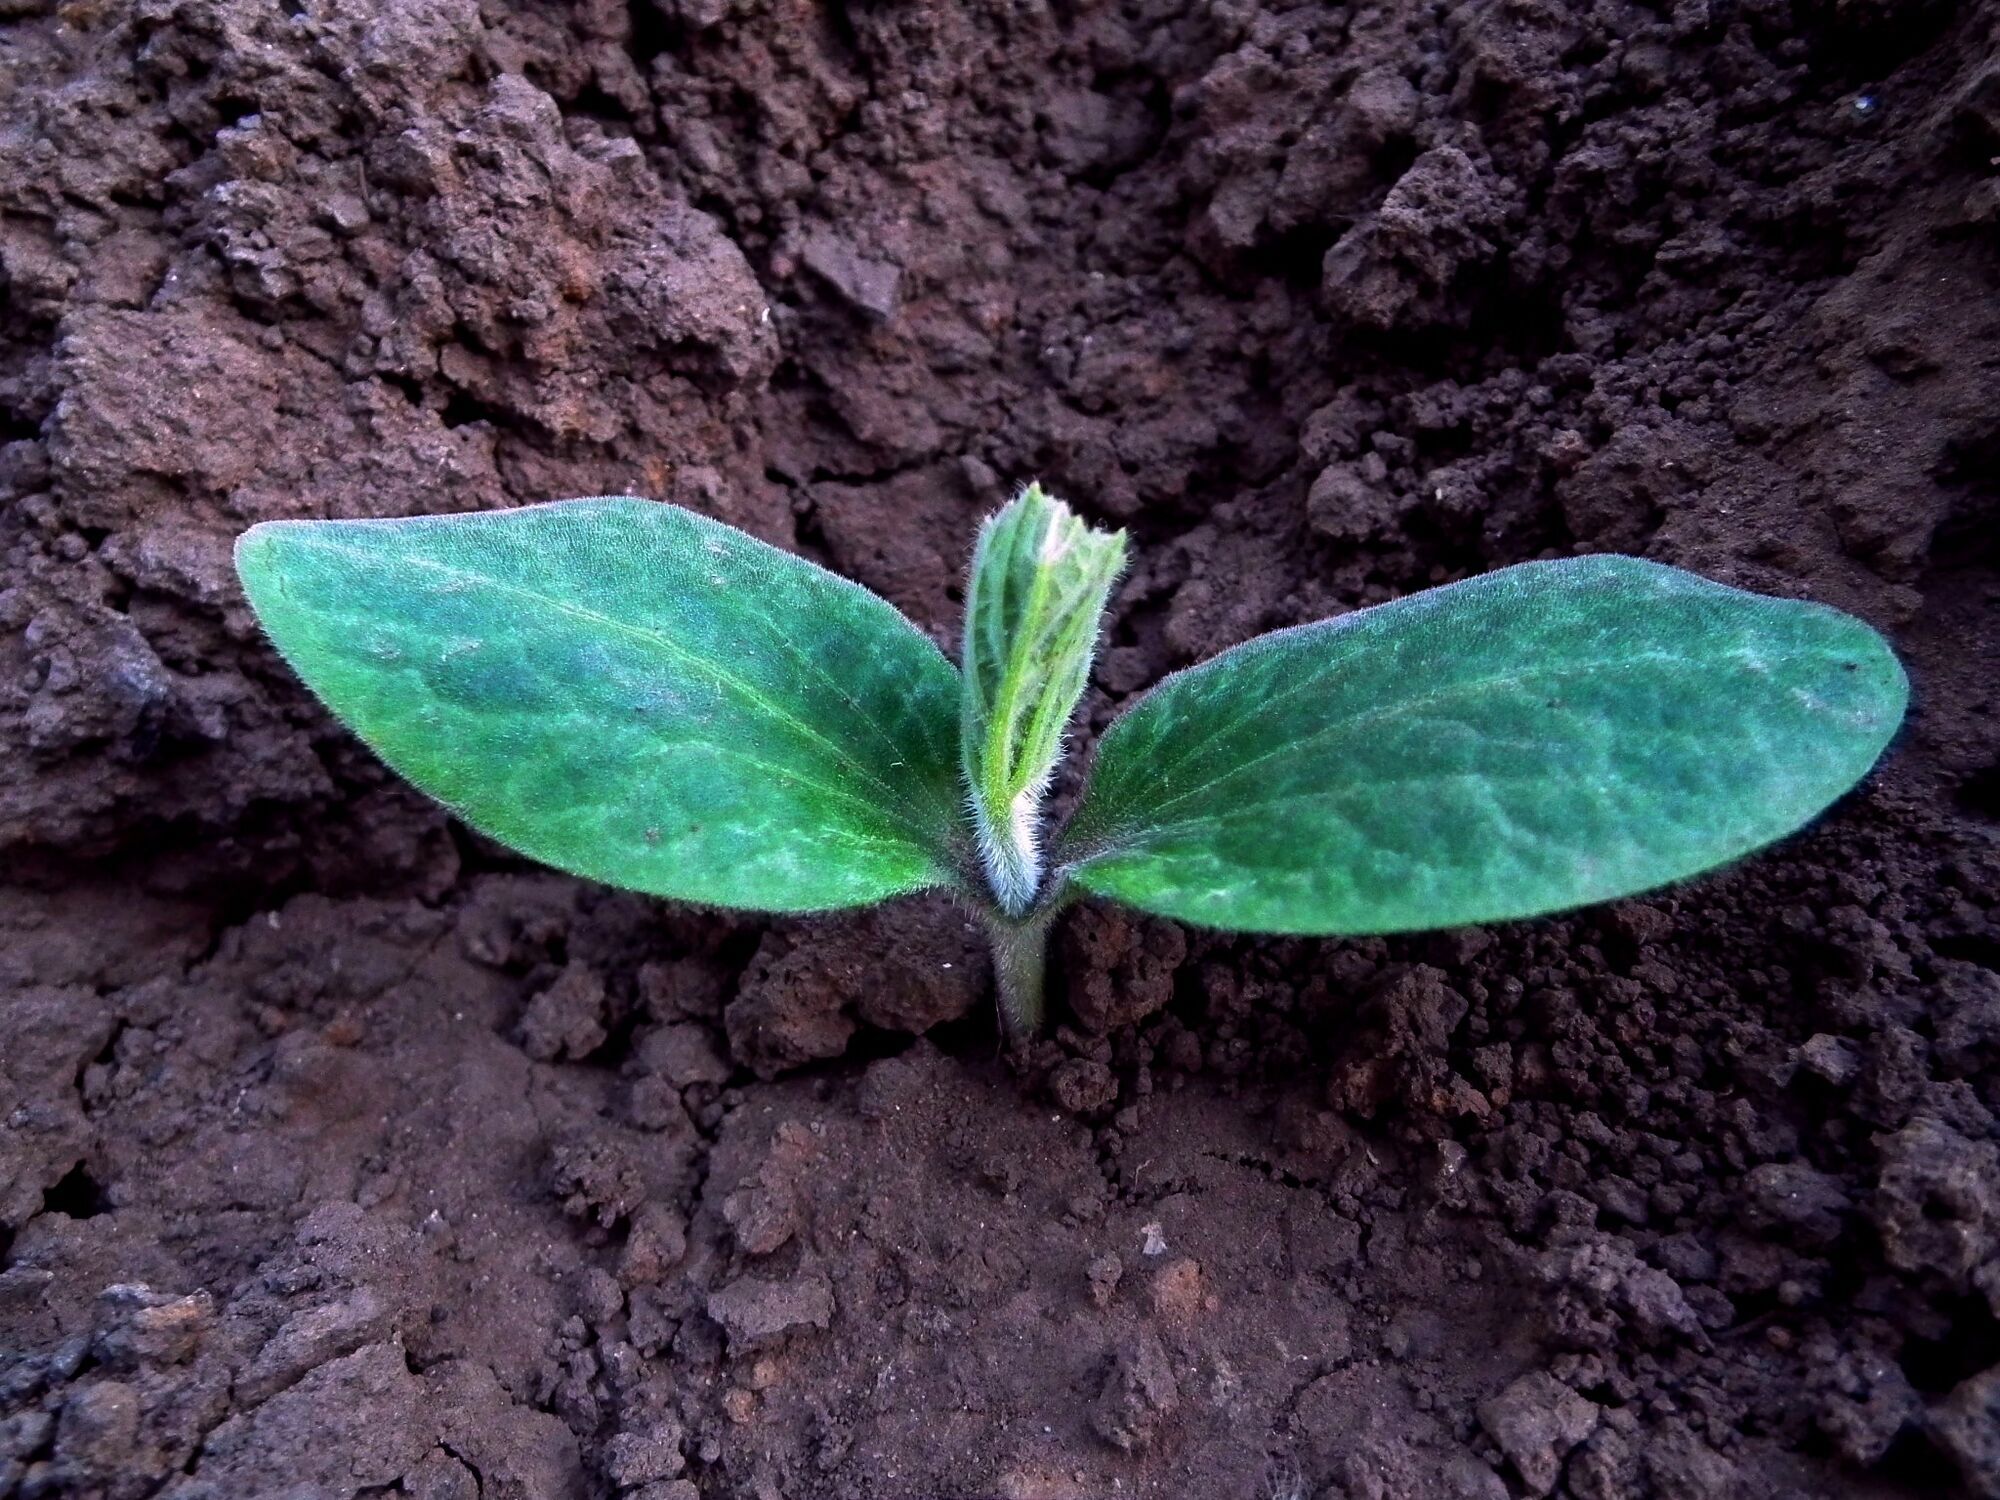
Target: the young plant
pixel 635 693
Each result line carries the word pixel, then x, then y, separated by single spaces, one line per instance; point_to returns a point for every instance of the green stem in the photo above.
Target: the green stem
pixel 1020 967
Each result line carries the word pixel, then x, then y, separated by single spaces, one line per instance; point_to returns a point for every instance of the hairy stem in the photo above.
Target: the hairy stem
pixel 1011 863
pixel 1020 965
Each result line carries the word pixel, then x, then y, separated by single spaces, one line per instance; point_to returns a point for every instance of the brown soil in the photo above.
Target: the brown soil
pixel 341 1154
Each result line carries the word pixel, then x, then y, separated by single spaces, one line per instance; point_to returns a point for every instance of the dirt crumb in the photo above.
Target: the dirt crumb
pixel 1139 1393
pixel 1536 1421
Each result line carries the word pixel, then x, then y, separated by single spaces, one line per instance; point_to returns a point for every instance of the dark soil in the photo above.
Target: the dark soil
pixel 341 1154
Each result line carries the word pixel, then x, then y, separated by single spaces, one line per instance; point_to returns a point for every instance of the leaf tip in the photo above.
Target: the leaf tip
pixel 257 555
pixel 1098 554
pixel 1884 680
pixel 252 544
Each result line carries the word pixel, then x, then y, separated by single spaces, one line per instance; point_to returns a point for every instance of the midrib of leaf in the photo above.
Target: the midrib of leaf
pixel 710 747
pixel 1006 704
pixel 993 621
pixel 1284 799
pixel 947 812
pixel 1261 646
pixel 892 806
pixel 782 773
pixel 1057 643
pixel 1456 693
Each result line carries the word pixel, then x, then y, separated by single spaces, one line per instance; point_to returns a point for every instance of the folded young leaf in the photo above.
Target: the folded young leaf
pixel 632 692
pixel 1040 577
pixel 1534 739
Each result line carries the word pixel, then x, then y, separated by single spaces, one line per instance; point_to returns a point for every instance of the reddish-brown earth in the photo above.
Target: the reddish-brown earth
pixel 342 1155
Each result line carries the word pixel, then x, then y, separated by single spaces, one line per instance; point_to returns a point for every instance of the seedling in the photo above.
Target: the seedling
pixel 635 693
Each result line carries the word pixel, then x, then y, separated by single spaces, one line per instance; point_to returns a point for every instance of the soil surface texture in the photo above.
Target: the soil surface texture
pixel 343 1154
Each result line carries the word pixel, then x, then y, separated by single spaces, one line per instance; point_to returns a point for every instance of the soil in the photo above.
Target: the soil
pixel 343 1154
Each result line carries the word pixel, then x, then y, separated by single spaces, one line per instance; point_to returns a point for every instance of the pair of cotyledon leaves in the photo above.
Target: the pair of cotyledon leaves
pixel 635 693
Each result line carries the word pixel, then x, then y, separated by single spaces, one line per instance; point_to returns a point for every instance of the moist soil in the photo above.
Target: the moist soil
pixel 343 1154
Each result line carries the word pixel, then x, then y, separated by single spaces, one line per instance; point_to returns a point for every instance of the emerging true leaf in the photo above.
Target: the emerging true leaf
pixel 1538 738
pixel 1040 577
pixel 632 692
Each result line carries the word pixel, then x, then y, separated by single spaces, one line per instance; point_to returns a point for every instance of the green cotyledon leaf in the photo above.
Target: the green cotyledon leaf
pixel 1539 738
pixel 629 691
